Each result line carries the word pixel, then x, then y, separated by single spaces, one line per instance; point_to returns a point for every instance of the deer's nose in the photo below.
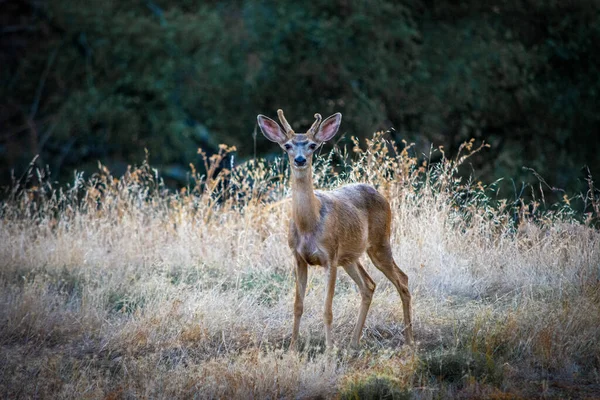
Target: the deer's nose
pixel 300 161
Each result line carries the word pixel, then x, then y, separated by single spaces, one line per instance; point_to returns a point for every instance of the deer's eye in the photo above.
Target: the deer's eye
pixel 313 146
pixel 287 146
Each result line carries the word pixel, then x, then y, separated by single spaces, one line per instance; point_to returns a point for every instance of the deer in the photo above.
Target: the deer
pixel 335 228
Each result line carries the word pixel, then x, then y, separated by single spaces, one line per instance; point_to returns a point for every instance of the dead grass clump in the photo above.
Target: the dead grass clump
pixel 35 314
pixel 118 287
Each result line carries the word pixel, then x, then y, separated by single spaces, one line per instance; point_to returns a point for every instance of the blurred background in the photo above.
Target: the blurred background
pixel 103 80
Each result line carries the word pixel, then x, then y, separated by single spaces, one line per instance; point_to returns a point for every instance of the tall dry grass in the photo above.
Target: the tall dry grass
pixel 117 287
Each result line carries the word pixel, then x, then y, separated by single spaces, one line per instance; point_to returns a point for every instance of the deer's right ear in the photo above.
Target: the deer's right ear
pixel 271 129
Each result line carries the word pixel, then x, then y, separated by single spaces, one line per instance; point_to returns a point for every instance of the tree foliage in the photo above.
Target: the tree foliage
pixel 106 79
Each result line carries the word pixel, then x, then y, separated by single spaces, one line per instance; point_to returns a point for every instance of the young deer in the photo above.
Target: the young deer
pixel 336 227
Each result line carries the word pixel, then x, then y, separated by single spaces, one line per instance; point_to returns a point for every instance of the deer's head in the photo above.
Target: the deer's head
pixel 299 146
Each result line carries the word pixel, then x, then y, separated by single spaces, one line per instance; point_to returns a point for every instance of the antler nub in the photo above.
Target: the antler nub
pixel 288 129
pixel 315 125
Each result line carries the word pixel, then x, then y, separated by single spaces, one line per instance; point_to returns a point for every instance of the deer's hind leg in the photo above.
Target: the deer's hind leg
pixel 382 258
pixel 366 287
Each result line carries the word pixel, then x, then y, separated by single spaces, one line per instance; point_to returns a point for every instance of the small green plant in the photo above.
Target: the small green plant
pixel 375 387
pixel 121 302
pixel 268 286
pixel 458 366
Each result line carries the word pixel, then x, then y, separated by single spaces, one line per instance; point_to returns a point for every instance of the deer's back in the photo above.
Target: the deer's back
pixel 371 206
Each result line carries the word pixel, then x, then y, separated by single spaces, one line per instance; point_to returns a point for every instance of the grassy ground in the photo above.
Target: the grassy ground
pixel 117 288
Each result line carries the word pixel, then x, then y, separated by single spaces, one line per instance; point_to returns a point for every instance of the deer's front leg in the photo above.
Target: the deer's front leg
pixel 328 314
pixel 301 277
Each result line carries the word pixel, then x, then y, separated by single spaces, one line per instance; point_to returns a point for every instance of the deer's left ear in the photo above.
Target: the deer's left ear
pixel 329 128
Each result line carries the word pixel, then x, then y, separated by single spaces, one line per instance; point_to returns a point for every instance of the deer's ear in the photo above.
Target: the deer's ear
pixel 271 129
pixel 329 128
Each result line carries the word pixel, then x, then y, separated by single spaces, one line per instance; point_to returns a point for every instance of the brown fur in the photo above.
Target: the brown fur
pixel 335 228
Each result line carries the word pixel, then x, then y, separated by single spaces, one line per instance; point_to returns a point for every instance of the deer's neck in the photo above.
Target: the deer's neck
pixel 305 205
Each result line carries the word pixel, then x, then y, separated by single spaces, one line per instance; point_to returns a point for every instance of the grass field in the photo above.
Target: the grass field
pixel 118 288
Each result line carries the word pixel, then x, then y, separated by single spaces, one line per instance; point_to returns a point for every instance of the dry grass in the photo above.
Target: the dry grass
pixel 118 288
